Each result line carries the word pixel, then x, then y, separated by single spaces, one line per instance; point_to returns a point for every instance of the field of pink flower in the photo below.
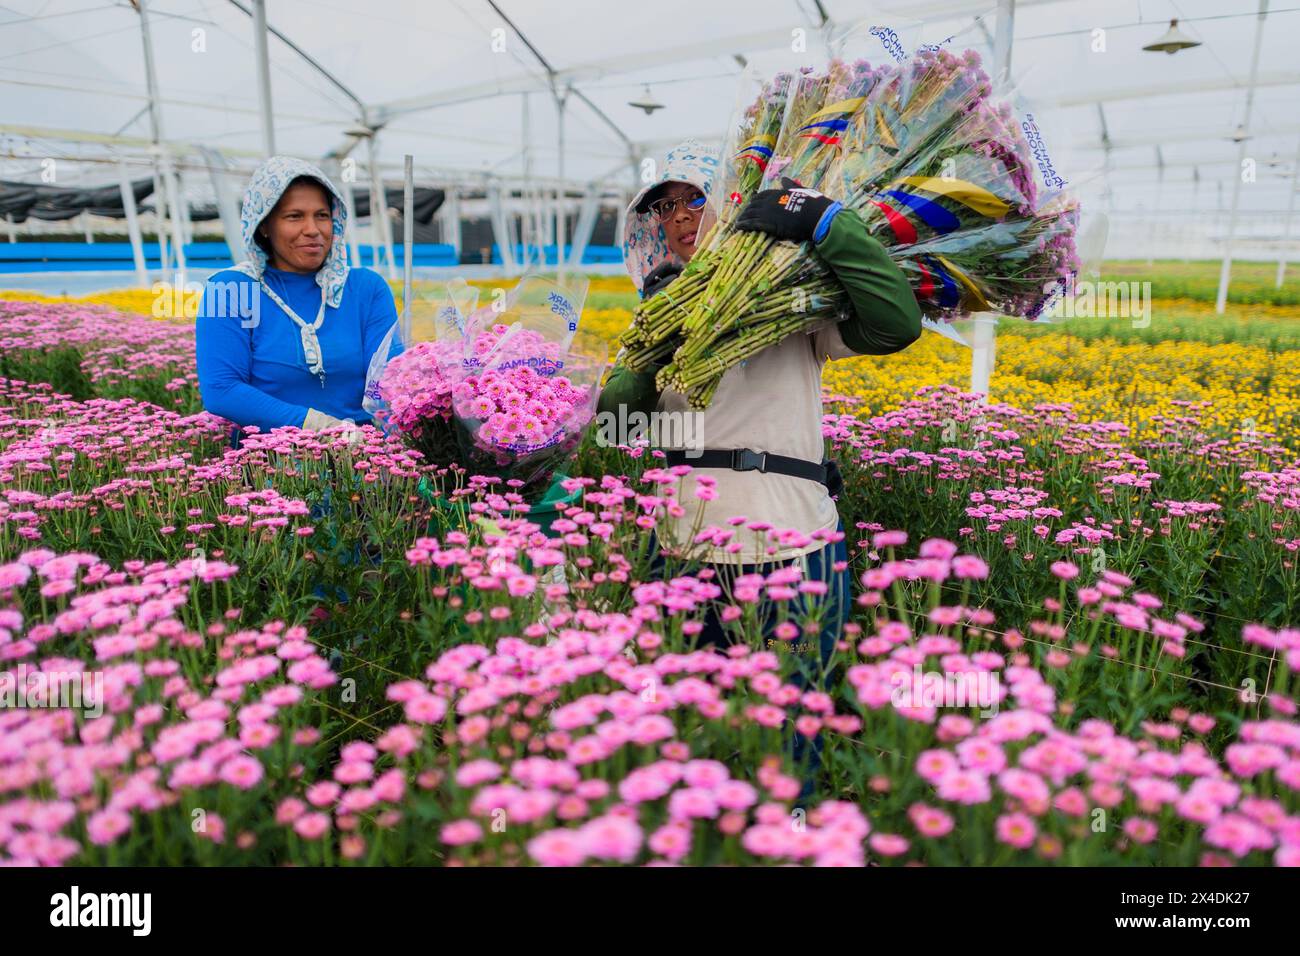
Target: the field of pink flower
pixel 1067 647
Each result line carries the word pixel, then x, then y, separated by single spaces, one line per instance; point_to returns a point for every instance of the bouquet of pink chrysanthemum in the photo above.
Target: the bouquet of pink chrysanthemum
pixel 523 395
pixel 506 390
pixel 416 400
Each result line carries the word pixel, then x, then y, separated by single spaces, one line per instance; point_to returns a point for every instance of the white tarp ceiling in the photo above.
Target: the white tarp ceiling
pixel 76 66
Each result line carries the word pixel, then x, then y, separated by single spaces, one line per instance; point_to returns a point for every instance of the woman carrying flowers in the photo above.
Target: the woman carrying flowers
pixel 764 455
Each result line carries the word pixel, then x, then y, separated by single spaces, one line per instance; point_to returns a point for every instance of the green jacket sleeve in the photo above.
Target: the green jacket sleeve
pixel 886 317
pixel 636 390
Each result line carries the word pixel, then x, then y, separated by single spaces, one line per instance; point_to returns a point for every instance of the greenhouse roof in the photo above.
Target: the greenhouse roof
pixel 467 86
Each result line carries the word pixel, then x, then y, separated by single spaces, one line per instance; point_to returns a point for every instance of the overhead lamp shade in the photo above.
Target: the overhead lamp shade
pixel 647 102
pixel 1173 41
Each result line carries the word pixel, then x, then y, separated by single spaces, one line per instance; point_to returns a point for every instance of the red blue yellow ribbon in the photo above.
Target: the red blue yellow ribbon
pixel 932 214
pixel 949 295
pixel 832 127
pixel 971 196
pixel 974 296
pixel 759 149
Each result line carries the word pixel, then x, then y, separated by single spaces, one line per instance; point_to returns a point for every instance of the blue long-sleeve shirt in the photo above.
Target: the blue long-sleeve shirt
pixel 259 375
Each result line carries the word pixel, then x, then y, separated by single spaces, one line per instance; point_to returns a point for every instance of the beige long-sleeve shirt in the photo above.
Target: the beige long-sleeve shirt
pixel 772 403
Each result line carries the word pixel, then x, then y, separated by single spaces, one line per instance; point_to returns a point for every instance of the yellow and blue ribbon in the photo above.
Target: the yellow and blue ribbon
pixel 973 197
pixel 826 124
pixel 759 149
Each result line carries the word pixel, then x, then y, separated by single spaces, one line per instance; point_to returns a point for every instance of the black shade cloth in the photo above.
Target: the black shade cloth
pixel 20 201
pixel 427 201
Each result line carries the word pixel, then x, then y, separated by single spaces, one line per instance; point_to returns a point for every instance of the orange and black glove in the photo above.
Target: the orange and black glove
pixel 792 213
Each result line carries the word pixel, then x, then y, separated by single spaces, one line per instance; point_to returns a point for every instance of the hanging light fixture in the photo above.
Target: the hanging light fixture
pixel 647 102
pixel 1239 134
pixel 1173 41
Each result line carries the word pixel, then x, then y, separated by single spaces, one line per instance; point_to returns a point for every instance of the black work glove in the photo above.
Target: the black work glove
pixel 659 278
pixel 792 213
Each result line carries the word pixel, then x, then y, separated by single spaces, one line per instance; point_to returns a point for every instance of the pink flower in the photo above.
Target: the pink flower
pixel 734 795
pixel 106 826
pixel 529 806
pixel 244 772
pixel 1237 834
pixel 323 794
pixel 968 566
pixel 558 848
pixel 964 786
pixel 1065 570
pixel 671 841
pixel 766 715
pixel 1071 801
pixel 476 772
pixel 1198 808
pixel 1017 830
pixel 888 844
pixel 353 771
pixel 692 803
pixel 461 832
pixel 426 709
pixel 13 575
pixel 612 837
pixel 933 765
pixel 930 821
pixel 312 826
pixel 521 585
pixel 1140 829
pixel 1287 855
pixel 400 740
pixel 290 809
pixel 592 789
pixel 982 755
pixel 708 774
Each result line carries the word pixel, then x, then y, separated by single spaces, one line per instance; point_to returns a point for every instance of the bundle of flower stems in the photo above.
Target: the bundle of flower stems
pixel 939 174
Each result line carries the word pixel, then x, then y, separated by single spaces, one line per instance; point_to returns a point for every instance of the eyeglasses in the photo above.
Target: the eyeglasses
pixel 663 209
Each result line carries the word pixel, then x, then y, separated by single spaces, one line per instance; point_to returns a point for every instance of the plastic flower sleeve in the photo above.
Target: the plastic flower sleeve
pixel 943 175
pixel 526 388
pixel 540 304
pixel 750 142
pixel 411 392
pixel 440 313
pixel 372 399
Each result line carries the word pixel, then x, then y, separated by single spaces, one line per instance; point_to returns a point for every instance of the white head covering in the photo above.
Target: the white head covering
pixel 267 185
pixel 645 246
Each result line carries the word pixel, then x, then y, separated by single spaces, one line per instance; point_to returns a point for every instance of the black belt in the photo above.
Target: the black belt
pixel 746 459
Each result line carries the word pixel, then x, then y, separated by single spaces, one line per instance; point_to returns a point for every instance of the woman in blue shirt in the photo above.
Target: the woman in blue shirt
pixel 286 337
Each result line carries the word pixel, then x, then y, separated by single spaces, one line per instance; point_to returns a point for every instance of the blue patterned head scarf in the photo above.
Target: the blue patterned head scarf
pixel 265 188
pixel 644 245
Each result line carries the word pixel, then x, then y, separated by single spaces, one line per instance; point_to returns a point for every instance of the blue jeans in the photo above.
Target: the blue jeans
pixel 836 606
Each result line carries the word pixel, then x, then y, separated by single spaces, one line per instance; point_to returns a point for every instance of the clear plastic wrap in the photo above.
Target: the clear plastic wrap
pixel 525 387
pixel 408 388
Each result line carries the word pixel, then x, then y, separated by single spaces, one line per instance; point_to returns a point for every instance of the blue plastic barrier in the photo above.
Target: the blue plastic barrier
pixel 211 256
pixel 423 254
pixel 100 256
pixel 590 255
